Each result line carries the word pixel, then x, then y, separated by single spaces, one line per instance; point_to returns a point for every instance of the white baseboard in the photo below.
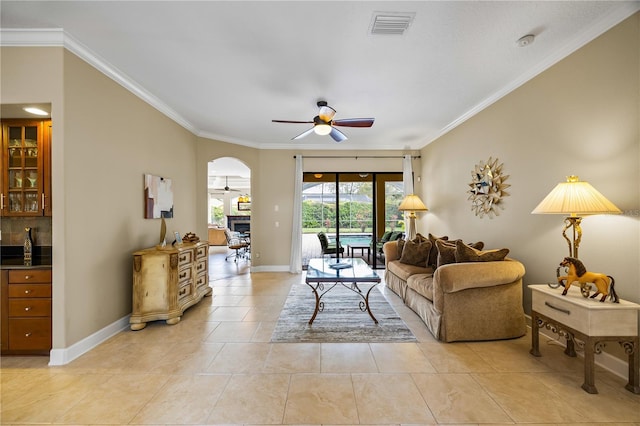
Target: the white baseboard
pixel 270 268
pixel 66 355
pixel 607 361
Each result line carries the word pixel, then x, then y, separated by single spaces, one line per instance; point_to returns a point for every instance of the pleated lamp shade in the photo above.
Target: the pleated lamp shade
pixel 412 203
pixel 575 198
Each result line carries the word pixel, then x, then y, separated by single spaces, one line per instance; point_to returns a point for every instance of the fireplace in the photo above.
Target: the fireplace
pixel 239 223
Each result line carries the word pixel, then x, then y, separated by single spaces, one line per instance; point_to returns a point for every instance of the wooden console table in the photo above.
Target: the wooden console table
pixel 589 324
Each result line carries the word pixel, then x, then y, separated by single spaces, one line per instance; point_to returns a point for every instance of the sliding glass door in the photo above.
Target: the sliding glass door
pixel 352 210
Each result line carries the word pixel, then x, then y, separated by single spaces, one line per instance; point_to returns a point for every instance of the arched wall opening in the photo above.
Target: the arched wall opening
pixel 228 195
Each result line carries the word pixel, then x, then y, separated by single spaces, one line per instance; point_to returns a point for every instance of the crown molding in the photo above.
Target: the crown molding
pixel 31 37
pixel 57 37
pixel 589 34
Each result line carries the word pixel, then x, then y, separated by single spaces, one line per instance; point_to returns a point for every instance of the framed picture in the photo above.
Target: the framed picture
pixel 158 197
pixel 178 239
pixel 244 206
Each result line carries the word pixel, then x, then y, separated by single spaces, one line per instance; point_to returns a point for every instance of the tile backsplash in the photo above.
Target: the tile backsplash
pixel 13 230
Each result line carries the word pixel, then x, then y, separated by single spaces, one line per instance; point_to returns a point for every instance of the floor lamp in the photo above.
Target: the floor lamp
pixel 412 204
pixel 575 199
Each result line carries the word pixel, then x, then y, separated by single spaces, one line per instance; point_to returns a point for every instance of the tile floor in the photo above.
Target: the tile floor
pixel 217 367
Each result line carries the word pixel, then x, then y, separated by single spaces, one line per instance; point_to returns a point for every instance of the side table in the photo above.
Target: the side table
pixel 589 324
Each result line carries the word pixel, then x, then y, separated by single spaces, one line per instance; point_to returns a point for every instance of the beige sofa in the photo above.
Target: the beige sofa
pixel 461 301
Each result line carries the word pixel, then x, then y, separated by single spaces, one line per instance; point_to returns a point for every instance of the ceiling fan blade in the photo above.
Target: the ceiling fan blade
pixel 337 135
pixel 290 121
pixel 354 122
pixel 303 134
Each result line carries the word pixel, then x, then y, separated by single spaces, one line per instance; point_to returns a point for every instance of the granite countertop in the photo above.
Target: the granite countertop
pixel 12 257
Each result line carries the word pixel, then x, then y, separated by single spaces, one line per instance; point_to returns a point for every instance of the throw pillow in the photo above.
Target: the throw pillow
pixel 464 253
pixel 433 255
pixel 478 246
pixel 400 247
pixel 420 238
pixel 415 253
pixel 385 237
pixel 446 253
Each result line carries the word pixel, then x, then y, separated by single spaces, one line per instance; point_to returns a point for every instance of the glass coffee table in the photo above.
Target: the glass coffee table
pixel 352 273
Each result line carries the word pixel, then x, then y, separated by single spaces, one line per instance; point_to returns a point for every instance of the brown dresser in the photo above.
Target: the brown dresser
pixel 167 281
pixel 26 311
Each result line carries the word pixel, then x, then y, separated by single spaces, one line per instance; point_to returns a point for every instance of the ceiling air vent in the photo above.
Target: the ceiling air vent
pixel 391 23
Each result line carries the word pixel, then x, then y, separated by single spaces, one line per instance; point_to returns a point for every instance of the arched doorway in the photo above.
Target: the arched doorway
pixel 228 207
pixel 229 179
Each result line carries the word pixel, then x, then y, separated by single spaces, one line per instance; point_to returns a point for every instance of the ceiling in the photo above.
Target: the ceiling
pixel 225 69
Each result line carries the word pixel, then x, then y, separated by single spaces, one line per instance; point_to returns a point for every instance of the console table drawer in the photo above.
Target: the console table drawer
pixel 589 316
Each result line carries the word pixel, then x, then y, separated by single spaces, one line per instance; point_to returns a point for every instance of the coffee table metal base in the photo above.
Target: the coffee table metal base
pixel 322 288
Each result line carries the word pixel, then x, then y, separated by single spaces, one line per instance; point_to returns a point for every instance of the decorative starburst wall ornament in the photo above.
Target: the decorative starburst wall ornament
pixel 487 188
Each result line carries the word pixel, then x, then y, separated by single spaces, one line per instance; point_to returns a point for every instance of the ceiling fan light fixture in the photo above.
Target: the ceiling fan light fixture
pixel 322 129
pixel 326 113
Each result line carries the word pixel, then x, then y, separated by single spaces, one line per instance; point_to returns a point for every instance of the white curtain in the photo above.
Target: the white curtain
pixel 407 179
pixel 295 263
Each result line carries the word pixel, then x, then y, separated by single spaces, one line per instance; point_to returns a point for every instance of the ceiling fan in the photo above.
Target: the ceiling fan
pixel 323 123
pixel 226 186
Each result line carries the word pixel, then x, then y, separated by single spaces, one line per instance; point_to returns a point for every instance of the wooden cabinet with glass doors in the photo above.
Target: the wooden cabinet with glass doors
pixel 26 168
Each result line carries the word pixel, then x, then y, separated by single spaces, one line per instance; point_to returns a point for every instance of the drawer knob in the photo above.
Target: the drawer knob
pixel 27 335
pixel 27 277
pixel 28 308
pixel 27 291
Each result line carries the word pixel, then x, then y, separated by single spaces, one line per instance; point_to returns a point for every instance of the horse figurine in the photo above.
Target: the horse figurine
pixel 578 272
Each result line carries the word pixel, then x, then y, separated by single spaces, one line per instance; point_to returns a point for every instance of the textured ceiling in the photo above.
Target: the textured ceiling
pixel 225 69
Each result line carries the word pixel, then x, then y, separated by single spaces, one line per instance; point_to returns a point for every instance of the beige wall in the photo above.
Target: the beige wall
pixel 111 139
pixel 580 117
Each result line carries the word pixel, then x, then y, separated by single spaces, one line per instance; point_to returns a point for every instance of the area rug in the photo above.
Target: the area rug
pixel 341 320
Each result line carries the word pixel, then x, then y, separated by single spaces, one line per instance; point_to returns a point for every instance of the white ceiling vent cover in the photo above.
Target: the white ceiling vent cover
pixel 391 23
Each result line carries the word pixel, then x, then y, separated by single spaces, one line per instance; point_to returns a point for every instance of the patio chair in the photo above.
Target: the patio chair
pixel 239 245
pixel 386 237
pixel 327 247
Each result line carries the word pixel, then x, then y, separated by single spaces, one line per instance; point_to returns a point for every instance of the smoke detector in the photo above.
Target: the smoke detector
pixel 526 40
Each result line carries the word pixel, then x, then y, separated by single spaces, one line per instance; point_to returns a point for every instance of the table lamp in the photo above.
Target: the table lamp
pixel 575 199
pixel 412 203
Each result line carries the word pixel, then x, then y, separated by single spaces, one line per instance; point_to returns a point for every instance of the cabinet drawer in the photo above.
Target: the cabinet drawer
pixel 30 334
pixel 30 276
pixel 201 280
pixel 185 257
pixel 201 252
pixel 184 291
pixel 184 275
pixel 29 290
pixel 29 308
pixel 201 266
